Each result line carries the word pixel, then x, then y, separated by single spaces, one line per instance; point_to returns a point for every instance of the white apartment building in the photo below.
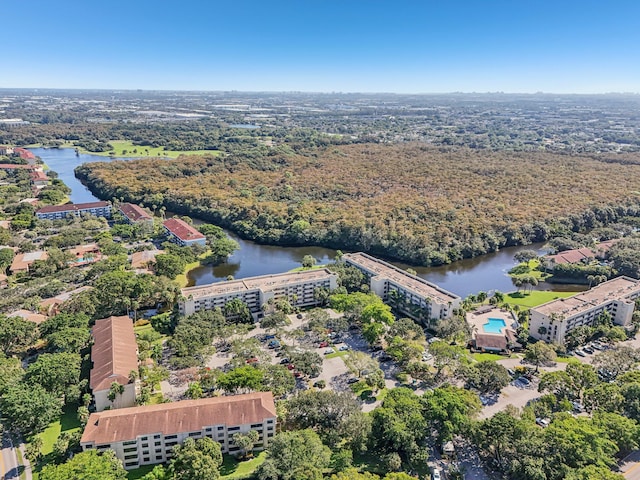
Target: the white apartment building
pixel 57 212
pixel 412 290
pixel 297 287
pixel 114 355
pixel 146 435
pixel 552 321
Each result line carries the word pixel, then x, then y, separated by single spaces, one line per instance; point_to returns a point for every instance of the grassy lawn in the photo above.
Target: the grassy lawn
pixel 68 422
pixel 478 357
pixel 137 473
pixel 182 278
pixel 532 265
pixel 125 145
pixel 337 354
pixel 233 469
pixel 534 297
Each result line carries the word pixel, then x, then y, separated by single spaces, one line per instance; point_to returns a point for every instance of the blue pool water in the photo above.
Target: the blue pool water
pixel 495 325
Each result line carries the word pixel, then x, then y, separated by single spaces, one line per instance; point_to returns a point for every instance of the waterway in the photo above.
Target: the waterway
pixel 469 276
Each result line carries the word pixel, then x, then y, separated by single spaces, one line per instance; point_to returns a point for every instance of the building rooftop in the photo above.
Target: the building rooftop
pixel 72 207
pixel 182 230
pixel 36 318
pixel 114 352
pixel 264 283
pixel 111 426
pixel 404 279
pixel 141 259
pixel 617 289
pixel 134 212
pixel 12 166
pixel 23 260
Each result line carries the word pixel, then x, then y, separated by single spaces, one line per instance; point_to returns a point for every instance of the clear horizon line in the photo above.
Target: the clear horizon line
pixel 326 92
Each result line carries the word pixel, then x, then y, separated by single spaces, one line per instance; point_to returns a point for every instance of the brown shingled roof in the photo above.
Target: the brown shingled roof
pixel 72 207
pixel 491 341
pixel 182 229
pixel 111 426
pixel 114 353
pixel 134 212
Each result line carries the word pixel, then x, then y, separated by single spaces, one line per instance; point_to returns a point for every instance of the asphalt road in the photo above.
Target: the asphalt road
pixel 8 460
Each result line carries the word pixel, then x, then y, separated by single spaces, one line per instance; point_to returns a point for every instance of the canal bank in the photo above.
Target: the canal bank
pixel 484 273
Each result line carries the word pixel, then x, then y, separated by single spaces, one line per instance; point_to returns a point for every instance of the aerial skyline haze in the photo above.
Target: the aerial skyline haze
pixel 375 46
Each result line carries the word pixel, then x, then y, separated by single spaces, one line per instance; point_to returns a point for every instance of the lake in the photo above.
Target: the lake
pixel 484 273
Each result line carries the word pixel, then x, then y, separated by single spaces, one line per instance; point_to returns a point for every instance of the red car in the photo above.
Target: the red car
pixel 323 344
pixel 297 374
pixel 291 366
pixel 252 360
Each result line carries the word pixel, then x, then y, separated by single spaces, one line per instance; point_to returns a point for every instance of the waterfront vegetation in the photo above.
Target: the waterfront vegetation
pixel 412 202
pixel 127 149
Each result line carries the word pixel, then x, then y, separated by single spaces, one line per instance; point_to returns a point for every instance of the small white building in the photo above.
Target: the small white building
pixel 114 355
pixel 146 435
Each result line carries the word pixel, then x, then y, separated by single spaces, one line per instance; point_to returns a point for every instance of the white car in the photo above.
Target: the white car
pixel 435 475
pixel 328 351
pixel 343 348
pixel 426 357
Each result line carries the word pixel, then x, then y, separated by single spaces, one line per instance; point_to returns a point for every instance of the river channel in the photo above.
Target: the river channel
pixel 484 273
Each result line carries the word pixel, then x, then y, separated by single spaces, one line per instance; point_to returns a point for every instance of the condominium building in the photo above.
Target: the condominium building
pixel 554 320
pixel 146 435
pixel 182 233
pixel 408 292
pixel 135 214
pixel 114 355
pixel 297 287
pixel 57 212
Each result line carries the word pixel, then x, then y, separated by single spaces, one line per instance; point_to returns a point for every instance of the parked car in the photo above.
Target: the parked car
pixel 284 361
pixel 352 380
pixel 435 475
pixel 291 366
pixel 426 357
pixel 524 381
pixel 323 344
pixel 588 350
pixel 343 348
pixel 511 372
pixel 543 422
pixel 329 351
pixel 580 353
pixel 386 358
pixel 299 316
pixel 252 360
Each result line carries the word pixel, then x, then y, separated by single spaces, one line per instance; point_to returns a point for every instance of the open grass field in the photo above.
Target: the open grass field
pixel 532 266
pixel 126 149
pixel 534 297
pixel 182 279
pixel 479 357
pixel 232 469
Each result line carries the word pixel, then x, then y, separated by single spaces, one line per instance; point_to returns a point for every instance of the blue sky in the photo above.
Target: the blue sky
pixel 562 46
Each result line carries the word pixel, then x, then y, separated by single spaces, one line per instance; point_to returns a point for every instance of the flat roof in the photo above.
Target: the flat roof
pixel 616 289
pixel 122 424
pixel 400 277
pixel 263 282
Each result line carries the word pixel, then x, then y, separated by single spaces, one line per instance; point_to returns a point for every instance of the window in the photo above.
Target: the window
pixel 130 449
pixel 129 457
pixel 233 429
pixel 256 425
pixel 170 437
pixel 131 442
pixel 146 459
pixel 194 434
pixel 156 436
pixel 220 428
pixel 131 464
pixel 157 444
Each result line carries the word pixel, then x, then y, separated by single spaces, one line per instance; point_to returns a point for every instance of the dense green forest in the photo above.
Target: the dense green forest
pixel 426 205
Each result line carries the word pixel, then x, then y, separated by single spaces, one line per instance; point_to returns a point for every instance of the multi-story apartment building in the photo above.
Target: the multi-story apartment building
pixel 146 435
pixel 554 320
pixel 182 233
pixel 409 293
pixel 297 287
pixel 135 214
pixel 114 355
pixel 56 212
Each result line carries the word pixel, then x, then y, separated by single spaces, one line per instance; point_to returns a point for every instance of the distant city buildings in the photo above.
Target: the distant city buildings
pixel 57 212
pixel 114 356
pixel 297 287
pixel 182 233
pixel 147 435
pixel 552 321
pixel 409 293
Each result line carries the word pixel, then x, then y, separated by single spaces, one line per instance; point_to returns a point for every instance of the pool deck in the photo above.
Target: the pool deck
pixel 480 317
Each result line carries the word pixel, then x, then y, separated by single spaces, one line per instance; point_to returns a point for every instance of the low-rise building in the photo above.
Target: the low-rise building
pixel 23 261
pixel 141 262
pixel 147 435
pixel 493 329
pixel 57 212
pixel 182 233
pixel 4 150
pixel 134 213
pixel 34 317
pixel 552 321
pixel 410 294
pixel 51 306
pixel 297 287
pixel 85 254
pixel 39 178
pixel 114 356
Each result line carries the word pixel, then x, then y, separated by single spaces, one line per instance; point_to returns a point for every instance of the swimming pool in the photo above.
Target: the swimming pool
pixel 494 325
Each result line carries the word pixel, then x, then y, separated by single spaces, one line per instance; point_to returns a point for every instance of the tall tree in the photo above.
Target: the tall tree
pixel 89 465
pixel 196 460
